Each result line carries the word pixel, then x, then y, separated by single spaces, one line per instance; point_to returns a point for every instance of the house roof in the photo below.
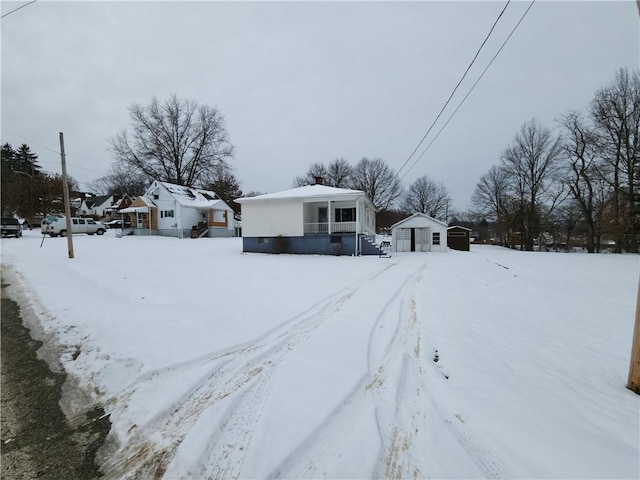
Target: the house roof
pixel 97 201
pixel 419 215
pixel 308 191
pixel 458 226
pixel 193 197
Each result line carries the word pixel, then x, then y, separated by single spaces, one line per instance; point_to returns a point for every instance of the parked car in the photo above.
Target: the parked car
pixel 118 224
pixel 54 226
pixel 11 226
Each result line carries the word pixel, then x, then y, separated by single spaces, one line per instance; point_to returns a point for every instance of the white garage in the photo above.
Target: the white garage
pixel 419 233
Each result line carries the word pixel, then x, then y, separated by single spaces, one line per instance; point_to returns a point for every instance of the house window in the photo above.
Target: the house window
pixel 436 238
pixel 263 240
pixel 166 213
pixel 345 214
pixel 336 239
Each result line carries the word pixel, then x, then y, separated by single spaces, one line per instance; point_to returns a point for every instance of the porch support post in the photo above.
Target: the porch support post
pixel 357 249
pixel 329 216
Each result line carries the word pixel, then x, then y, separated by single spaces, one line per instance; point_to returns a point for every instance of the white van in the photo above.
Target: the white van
pixel 55 226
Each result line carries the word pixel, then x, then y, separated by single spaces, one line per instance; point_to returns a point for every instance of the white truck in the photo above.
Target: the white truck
pixel 54 226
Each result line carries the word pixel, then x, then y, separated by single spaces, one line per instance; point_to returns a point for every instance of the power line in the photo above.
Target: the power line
pixel 470 90
pixel 16 9
pixel 455 89
pixel 31 141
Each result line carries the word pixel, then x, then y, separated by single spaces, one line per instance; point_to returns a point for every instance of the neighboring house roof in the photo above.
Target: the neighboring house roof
pixel 97 201
pixel 193 197
pixel 308 191
pixel 419 215
pixel 119 203
pixel 459 227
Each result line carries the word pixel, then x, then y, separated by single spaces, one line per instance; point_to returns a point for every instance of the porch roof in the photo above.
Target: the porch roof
pixel 135 210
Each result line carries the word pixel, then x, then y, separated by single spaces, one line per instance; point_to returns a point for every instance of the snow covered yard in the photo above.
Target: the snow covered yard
pixel 217 364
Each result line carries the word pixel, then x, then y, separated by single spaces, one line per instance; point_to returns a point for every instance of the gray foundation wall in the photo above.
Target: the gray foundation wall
pixel 343 244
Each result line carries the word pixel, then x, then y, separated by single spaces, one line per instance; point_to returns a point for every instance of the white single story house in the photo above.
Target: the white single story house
pixel 314 219
pixel 178 211
pixel 419 233
pixel 96 205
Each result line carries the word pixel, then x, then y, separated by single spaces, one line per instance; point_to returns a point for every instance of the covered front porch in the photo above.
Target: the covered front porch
pixel 332 217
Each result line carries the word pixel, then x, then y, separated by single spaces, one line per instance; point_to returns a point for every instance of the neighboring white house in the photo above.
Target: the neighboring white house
pixel 419 233
pixel 179 211
pixel 314 219
pixel 96 206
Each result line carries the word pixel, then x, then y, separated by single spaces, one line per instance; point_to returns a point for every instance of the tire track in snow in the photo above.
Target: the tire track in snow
pixel 400 406
pixel 246 369
pixel 331 439
pixel 405 451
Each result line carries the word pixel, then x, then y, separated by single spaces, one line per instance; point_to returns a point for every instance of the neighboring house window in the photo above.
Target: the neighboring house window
pixel 436 238
pixel 166 214
pixel 345 215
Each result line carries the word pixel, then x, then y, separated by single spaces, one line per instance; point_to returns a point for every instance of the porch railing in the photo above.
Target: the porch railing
pixel 323 227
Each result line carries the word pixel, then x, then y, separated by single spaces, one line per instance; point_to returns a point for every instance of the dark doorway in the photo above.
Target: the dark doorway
pixel 413 239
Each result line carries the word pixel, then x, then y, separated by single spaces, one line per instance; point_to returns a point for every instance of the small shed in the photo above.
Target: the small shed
pixel 419 233
pixel 458 238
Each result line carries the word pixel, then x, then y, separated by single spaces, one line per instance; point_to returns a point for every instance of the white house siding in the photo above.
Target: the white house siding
pixel 218 216
pixel 189 217
pixel 167 225
pixel 424 227
pixel 270 219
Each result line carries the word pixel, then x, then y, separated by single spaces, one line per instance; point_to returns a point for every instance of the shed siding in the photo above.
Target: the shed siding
pixel 424 229
pixel 270 219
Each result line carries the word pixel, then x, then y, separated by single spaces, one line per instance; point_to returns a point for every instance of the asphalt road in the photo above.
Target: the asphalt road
pixel 36 441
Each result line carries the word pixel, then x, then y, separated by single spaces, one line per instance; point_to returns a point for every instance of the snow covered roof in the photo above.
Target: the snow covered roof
pixel 97 201
pixel 190 196
pixel 308 191
pixel 419 215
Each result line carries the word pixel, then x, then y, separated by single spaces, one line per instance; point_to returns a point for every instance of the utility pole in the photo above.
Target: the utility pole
pixel 634 367
pixel 67 204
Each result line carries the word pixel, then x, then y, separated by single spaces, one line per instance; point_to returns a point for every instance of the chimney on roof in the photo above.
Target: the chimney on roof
pixel 318 180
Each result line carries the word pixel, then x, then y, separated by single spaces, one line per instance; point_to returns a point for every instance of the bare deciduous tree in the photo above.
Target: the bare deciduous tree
pixel 315 170
pixel 176 141
pixel 429 197
pixel 615 110
pixel 531 163
pixel 492 199
pixel 121 178
pixel 378 181
pixel 580 151
pixel 339 173
pixel 227 187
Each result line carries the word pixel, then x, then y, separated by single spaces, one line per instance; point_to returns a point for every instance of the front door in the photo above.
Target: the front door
pixel 413 240
pixel 322 215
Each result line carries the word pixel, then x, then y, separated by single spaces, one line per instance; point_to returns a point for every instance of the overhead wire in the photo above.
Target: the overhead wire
pixel 470 90
pixel 455 88
pixel 31 142
pixel 18 8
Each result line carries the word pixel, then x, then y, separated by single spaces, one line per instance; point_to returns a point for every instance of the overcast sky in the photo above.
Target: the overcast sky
pixel 304 82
